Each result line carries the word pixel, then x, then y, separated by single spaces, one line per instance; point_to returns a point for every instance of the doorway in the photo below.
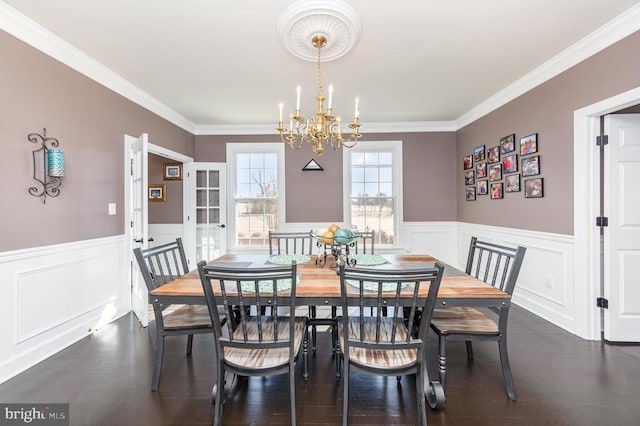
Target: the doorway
pixel 587 179
pixel 136 217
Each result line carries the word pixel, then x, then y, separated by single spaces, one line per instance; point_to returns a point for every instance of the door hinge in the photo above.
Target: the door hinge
pixel 602 221
pixel 131 167
pixel 603 303
pixel 602 140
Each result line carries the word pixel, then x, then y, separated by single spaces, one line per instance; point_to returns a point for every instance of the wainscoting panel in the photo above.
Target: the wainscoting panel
pixel 163 233
pixel 54 296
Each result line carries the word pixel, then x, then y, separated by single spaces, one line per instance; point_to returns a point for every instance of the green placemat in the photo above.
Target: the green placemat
pixel 368 259
pixel 373 286
pixel 266 286
pixel 287 259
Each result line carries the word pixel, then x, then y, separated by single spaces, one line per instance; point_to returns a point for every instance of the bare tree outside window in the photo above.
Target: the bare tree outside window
pixel 256 201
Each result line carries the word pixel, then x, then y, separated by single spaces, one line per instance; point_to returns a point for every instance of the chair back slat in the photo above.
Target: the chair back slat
pixel 391 289
pixel 290 243
pixel 242 292
pixel 162 263
pixel 366 243
pixel 495 264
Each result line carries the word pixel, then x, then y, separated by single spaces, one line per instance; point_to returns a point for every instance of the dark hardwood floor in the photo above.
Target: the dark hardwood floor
pixel 560 380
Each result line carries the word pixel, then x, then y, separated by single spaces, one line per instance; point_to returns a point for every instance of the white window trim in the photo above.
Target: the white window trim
pixel 232 150
pixel 396 148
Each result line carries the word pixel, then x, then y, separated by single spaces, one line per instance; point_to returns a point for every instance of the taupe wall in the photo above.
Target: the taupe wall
pixel 316 196
pixel 90 122
pixel 547 110
pixel 169 211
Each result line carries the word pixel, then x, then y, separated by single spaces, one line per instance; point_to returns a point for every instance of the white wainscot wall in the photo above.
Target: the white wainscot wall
pixel 163 233
pixel 56 295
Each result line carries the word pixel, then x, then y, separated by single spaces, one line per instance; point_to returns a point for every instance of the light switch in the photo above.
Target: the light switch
pixel 112 209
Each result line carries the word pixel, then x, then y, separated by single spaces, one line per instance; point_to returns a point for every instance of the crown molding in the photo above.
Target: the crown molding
pixel 608 34
pixel 23 28
pixel 268 129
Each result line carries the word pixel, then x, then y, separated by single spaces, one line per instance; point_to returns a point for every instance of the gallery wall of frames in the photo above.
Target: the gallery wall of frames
pixel 509 167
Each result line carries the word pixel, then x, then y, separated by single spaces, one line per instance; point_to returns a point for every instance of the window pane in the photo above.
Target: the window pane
pixel 201 178
pixel 243 175
pixel 386 158
pixel 386 189
pixel 214 197
pixel 257 160
pixel 371 158
pixel 357 189
pixel 244 190
pixel 371 174
pixel 201 197
pixel 201 216
pixel 386 174
pixel 357 158
pixel 271 161
pixel 357 174
pixel 371 189
pixel 242 161
pixel 214 178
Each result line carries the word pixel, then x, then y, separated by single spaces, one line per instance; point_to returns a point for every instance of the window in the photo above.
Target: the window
pixel 373 182
pixel 257 192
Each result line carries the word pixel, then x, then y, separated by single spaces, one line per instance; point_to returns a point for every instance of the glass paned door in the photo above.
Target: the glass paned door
pixel 210 230
pixel 206 214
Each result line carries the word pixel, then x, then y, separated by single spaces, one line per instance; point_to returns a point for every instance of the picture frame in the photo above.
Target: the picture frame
pixel 512 183
pixel 495 172
pixel 481 170
pixel 508 143
pixel 481 187
pixel 530 166
pixel 510 163
pixel 157 192
pixel 529 144
pixel 478 153
pixel 470 193
pixel 469 177
pixel 467 162
pixel 172 171
pixel 533 188
pixel 497 190
pixel 493 155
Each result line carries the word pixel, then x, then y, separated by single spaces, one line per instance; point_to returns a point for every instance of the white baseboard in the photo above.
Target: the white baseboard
pixel 54 296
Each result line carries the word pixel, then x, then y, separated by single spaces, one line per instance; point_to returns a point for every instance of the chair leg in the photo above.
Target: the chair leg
pixel 312 314
pixel 469 349
pixel 305 354
pixel 189 343
pixel 420 394
pixel 217 414
pixel 155 380
pixel 506 369
pixel 292 394
pixel 442 358
pixel 345 395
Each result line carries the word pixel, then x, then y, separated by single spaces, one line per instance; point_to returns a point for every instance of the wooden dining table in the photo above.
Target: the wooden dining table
pixel 320 285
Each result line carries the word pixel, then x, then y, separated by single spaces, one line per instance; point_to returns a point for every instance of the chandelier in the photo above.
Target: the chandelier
pixel 324 127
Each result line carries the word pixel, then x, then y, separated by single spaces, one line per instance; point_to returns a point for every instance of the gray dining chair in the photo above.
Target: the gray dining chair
pixel 384 345
pixel 158 266
pixel 366 243
pixel 498 266
pixel 298 243
pixel 254 344
pixel 290 243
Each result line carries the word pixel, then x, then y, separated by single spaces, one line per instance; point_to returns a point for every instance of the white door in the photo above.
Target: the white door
pixel 139 223
pixel 622 236
pixel 206 215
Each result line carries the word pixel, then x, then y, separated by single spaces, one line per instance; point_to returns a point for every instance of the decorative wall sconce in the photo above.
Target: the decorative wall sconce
pixel 48 166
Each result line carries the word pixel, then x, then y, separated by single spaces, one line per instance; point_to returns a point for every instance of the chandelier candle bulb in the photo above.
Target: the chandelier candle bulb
pixel 298 99
pixel 357 111
pixel 281 105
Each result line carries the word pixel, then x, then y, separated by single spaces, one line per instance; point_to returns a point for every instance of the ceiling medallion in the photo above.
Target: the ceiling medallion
pixel 335 20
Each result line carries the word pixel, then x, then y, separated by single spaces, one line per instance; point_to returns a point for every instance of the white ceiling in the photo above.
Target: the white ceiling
pixel 220 62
